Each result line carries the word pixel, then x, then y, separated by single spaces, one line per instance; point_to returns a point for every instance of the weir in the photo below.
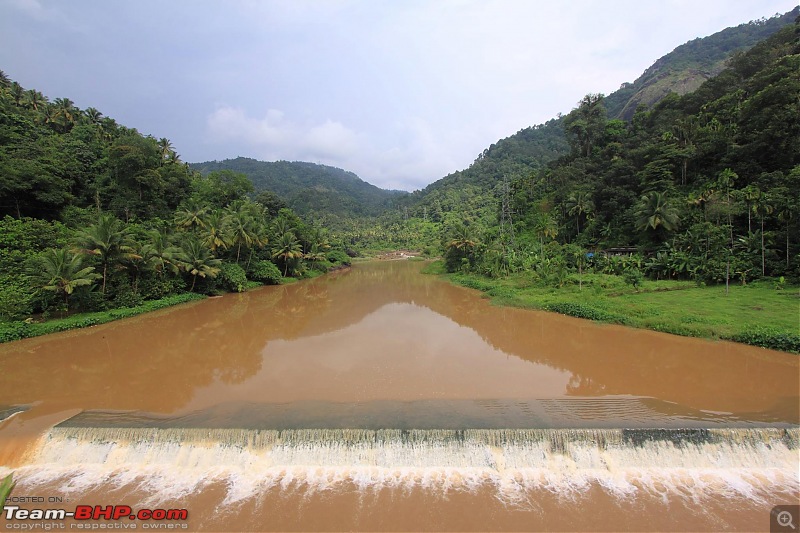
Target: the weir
pixel 743 460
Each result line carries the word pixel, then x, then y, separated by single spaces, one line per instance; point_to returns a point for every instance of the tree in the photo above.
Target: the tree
pixel 35 99
pixel 316 255
pixel 751 195
pixel 762 207
pixel 94 116
pixel 654 212
pixel 62 272
pixel 287 249
pixel 241 227
pixel 222 187
pixel 271 202
pixel 159 253
pixel 17 92
pixel 579 204
pixel 194 258
pixel 214 234
pixel 109 240
pixel 460 247
pixel 586 123
pixel 65 113
pixel 166 149
pixel 191 215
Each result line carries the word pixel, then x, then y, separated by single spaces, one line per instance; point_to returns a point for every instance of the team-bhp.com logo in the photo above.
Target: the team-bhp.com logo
pixel 97 512
pixel 94 517
pixel 87 516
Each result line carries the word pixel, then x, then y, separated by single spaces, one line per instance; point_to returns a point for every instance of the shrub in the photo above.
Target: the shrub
pixel 155 287
pixel 632 276
pixel 338 256
pixel 769 338
pixel 232 277
pixel 584 311
pixel 16 299
pixel 265 272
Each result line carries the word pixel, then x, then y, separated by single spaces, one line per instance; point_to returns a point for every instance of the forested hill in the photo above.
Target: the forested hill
pixel 310 188
pixel 688 66
pixel 681 71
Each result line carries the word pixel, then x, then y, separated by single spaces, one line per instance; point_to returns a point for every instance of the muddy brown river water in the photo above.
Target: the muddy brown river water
pixel 380 398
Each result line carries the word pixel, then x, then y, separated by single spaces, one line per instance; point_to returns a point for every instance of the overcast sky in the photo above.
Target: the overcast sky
pixel 400 92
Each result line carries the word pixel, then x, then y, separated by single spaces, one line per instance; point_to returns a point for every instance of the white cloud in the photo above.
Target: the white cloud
pixel 420 151
pixel 275 136
pixel 402 93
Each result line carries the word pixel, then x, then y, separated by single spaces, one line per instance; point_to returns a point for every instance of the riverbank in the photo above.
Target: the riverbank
pixel 755 314
pixel 12 331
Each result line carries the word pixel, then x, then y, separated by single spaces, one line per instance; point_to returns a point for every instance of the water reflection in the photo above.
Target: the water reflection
pixel 384 332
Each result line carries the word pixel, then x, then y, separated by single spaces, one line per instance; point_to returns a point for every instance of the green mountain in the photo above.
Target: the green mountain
pixel 309 188
pixel 529 150
pixel 688 66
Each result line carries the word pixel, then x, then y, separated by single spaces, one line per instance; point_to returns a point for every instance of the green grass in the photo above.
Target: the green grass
pixel 11 331
pixel 755 314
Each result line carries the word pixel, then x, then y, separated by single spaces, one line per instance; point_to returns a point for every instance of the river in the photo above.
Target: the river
pixel 379 398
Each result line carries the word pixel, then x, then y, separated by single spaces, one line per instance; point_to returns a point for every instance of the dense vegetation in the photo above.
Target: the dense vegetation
pixel 95 216
pixel 325 192
pixel 703 186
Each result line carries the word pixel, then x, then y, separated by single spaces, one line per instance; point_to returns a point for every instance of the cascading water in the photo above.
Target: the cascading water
pixel 738 462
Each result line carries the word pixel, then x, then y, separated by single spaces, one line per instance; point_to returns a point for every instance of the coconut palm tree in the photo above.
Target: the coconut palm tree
pixel 579 204
pixel 281 226
pixel 65 112
pixel 159 253
pixel 287 249
pixel 462 239
pixel 48 114
pixel 5 81
pixel 544 226
pixel 17 92
pixel 109 240
pixel 241 227
pixel 193 257
pixel 62 272
pixel 93 116
pixel 315 256
pixel 655 212
pixel 35 99
pixel 166 148
pixel 191 215
pixel 214 234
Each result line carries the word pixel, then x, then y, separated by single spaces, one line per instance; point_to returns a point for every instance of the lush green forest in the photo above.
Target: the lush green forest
pixel 326 193
pixel 96 216
pixel 704 186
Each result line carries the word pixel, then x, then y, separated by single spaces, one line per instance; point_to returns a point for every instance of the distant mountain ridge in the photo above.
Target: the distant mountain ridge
pixel 309 188
pixel 681 71
pixel 689 65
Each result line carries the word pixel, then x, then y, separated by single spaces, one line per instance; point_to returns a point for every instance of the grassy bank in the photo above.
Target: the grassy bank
pixel 756 313
pixel 11 331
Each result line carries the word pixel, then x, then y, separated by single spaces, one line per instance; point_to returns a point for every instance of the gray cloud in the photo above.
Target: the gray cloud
pixel 401 93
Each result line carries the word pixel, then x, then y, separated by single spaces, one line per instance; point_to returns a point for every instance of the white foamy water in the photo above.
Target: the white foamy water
pixel 171 463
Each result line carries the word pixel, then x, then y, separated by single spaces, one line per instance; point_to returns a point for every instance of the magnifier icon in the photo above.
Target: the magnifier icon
pixel 785 519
